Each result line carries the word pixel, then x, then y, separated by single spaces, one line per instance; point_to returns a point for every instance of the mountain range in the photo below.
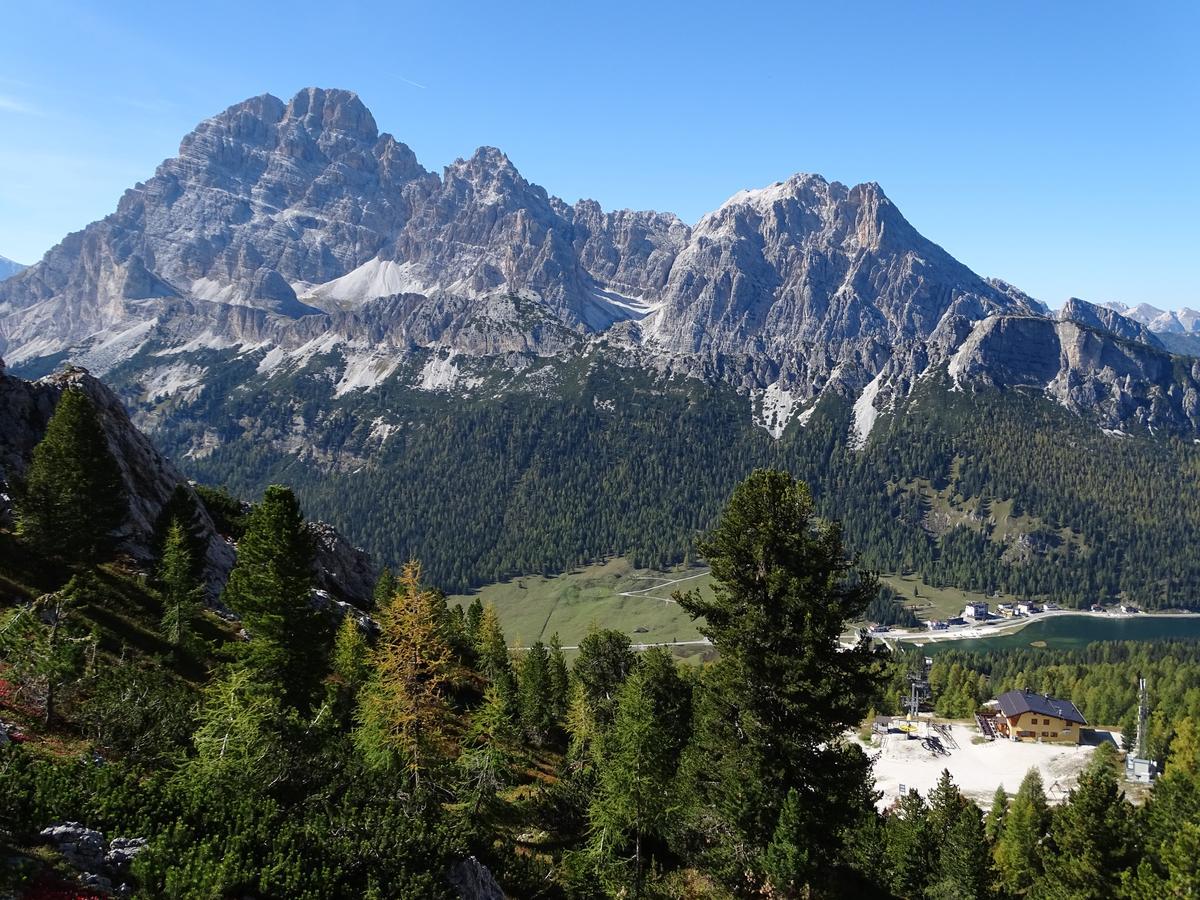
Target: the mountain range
pixel 294 293
pixel 8 268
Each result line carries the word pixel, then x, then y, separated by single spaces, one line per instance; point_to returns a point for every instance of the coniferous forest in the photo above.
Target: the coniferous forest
pixel 289 753
pixel 987 491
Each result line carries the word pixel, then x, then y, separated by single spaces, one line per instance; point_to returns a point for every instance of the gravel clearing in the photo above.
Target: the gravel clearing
pixel 977 768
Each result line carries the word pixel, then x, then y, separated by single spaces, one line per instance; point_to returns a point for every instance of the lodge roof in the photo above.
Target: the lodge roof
pixel 1014 703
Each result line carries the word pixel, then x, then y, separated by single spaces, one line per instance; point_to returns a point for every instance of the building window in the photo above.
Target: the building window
pixel 1045 734
pixel 1054 734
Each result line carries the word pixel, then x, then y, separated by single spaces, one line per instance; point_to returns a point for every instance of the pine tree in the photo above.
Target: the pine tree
pixel 489 750
pixel 560 687
pixel 270 589
pixel 182 596
pixel 385 587
pixel 474 620
pixel 632 802
pixel 910 848
pixel 604 662
pixel 783 690
pixel 994 824
pixel 494 660
pixel 534 698
pixel 962 870
pixel 402 710
pixel 1092 840
pixel 73 497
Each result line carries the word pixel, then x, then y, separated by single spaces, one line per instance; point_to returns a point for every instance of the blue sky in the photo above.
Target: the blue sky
pixel 1056 145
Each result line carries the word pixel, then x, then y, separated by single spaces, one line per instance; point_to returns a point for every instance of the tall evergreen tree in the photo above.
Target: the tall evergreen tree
pixel 73 496
pixel 560 686
pixel 270 589
pixel 1171 825
pixel 994 823
pixel 962 868
pixel 182 595
pixel 604 662
pixel 534 697
pixel 632 802
pixel 910 848
pixel 1018 852
pixel 1092 840
pixel 783 690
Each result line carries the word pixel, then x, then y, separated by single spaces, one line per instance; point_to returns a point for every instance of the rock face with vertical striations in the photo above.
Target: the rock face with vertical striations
pixel 294 232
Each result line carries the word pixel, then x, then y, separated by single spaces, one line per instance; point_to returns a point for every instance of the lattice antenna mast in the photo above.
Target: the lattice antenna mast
pixel 1143 718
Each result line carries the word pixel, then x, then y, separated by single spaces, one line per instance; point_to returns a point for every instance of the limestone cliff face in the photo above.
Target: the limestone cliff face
pixel 296 229
pixel 1117 383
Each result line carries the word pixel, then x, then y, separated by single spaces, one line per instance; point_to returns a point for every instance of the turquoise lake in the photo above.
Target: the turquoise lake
pixel 1079 631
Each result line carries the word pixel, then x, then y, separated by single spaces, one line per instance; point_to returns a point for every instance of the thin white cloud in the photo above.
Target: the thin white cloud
pixel 415 84
pixel 11 104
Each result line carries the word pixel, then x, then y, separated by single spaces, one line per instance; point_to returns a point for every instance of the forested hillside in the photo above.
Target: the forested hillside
pixel 986 490
pixel 154 748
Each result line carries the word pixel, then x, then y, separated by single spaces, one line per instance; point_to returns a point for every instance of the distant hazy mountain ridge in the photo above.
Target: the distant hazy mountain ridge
pixel 8 268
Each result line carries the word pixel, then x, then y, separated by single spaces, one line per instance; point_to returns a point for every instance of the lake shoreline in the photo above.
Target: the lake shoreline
pixel 1012 626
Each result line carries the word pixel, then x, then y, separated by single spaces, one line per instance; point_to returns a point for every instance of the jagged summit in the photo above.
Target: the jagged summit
pixel 282 226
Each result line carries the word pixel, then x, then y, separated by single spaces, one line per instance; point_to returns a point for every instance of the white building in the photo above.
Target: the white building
pixel 975 611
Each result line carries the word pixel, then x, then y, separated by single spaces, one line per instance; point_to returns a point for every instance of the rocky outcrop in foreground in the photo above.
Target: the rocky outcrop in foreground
pixel 150 479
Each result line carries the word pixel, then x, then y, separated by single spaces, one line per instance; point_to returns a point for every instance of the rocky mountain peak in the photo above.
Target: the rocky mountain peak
pixel 1106 319
pixel 320 110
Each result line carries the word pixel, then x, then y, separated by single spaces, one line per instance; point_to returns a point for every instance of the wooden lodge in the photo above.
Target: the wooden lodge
pixel 1028 716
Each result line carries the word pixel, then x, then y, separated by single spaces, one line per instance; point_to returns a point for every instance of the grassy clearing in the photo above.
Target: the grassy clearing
pixel 930 602
pixel 534 607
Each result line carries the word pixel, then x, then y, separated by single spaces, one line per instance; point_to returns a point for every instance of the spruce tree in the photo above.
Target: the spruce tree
pixel 385 587
pixel 1093 839
pixel 632 803
pixel 182 595
pixel 783 691
pixel 1018 852
pixel 910 848
pixel 560 686
pixel 994 824
pixel 962 868
pixel 534 700
pixel 270 589
pixel 73 496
